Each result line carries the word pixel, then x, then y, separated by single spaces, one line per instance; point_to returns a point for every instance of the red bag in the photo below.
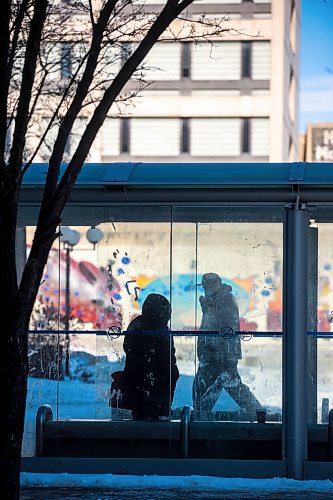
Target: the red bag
pixel 117 398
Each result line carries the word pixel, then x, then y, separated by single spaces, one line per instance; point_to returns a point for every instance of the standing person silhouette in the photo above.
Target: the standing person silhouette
pixel 150 373
pixel 218 356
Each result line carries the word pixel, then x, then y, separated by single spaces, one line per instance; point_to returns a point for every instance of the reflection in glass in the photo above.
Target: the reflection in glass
pixel 321 258
pixel 46 368
pixel 247 257
pixel 137 258
pixel 168 256
pixel 218 355
pixel 77 393
pixel 324 378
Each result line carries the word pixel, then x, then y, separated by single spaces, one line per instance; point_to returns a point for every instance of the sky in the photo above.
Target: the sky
pixel 316 62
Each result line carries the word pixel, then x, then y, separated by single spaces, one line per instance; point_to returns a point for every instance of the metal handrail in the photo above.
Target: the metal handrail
pixel 186 417
pixel 44 415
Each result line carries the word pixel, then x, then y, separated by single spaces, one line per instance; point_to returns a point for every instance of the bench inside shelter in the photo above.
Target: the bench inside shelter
pixel 184 438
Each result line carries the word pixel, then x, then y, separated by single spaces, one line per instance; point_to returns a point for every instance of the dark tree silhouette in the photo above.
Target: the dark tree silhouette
pixel 30 31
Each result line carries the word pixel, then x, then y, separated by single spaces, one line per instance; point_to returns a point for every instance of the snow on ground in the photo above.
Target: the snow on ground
pixel 193 483
pixel 74 399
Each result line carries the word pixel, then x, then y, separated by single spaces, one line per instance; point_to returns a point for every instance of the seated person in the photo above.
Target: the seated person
pixel 150 372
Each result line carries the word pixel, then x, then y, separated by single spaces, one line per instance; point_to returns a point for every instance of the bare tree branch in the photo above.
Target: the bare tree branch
pixel 81 92
pixel 63 89
pixel 28 76
pixel 17 26
pixel 171 10
pixel 91 13
pixel 5 74
pixel 55 113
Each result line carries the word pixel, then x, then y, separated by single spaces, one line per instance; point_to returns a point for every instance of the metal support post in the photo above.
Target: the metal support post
pixel 312 324
pixel 295 340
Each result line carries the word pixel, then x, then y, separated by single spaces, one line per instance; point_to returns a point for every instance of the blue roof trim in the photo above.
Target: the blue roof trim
pixel 296 172
pixel 118 172
pixel 192 174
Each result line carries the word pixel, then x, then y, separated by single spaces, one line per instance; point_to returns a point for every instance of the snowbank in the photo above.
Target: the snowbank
pixel 200 483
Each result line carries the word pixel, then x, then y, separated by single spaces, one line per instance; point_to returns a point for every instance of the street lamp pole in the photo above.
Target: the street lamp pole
pixel 70 238
pixel 67 308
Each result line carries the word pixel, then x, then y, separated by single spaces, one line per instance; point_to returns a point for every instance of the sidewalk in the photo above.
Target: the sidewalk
pixel 155 494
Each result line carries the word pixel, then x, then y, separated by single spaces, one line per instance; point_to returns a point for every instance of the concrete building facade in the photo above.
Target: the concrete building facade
pixel 233 98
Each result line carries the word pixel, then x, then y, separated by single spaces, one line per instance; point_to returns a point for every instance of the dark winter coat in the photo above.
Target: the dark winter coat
pixel 219 310
pixel 150 372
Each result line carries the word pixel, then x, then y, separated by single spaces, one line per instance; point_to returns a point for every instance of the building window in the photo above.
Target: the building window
pixel 125 135
pixel 110 137
pixel 155 136
pixel 72 142
pixel 185 139
pixel 48 143
pixel 246 135
pixel 163 62
pixel 217 61
pixel 261 60
pixel 218 1
pixel 259 134
pixel 66 60
pixel 76 134
pixel 246 59
pixel 127 49
pixel 51 55
pixel 215 136
pixel 186 60
pixel 110 60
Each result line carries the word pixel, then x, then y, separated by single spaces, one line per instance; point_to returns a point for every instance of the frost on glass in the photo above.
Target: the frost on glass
pixel 248 259
pixel 62 365
pixel 324 378
pixel 135 251
pixel 110 359
pixel 170 259
pixel 325 278
pixel 154 250
pixel 321 343
pixel 77 391
pixel 46 370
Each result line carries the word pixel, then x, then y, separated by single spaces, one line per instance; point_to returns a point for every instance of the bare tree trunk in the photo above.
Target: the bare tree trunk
pixel 14 370
pixel 16 308
pixel 28 27
pixel 13 354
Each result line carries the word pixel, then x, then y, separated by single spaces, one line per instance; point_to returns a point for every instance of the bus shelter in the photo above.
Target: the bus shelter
pixel 264 234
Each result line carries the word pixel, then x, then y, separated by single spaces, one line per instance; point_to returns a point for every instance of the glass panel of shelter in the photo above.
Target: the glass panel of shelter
pixel 171 253
pixel 320 331
pixel 226 256
pixel 320 319
pixel 136 370
pixel 45 347
pixel 62 345
pixel 135 251
pixel 77 387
